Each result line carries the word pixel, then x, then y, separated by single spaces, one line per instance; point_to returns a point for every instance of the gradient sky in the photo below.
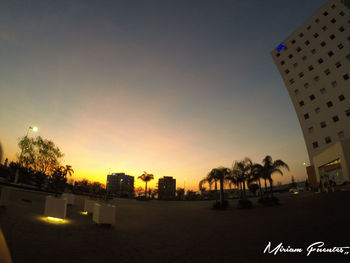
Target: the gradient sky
pixel 174 88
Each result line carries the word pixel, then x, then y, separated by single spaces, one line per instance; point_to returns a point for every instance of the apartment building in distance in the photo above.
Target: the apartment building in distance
pixel 120 185
pixel 314 62
pixel 166 188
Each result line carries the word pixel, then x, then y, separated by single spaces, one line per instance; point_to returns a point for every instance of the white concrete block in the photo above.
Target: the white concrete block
pixel 4 196
pixel 69 197
pixel 89 205
pixel 104 214
pixel 55 207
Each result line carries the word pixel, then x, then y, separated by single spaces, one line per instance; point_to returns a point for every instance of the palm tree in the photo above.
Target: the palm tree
pixel 69 170
pixel 146 178
pixel 221 174
pixel 240 174
pixel 271 167
pixel 210 180
pixel 256 175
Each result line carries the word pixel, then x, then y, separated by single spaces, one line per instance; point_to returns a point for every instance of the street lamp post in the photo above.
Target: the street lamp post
pixel 34 129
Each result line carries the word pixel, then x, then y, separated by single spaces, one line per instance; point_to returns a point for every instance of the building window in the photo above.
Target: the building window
pixel 327 72
pixel 311 129
pixel 306 85
pixel 342 13
pixel 301 103
pixel 341 97
pixel 334 84
pixel 346 76
pixel 301 35
pixel 341 134
pixel 312 97
pixel 324 28
pixel 301 74
pixel 286 71
pixel 295 64
pixel 307 42
pixel 304 57
pixel 298 49
pixel 325 13
pixel 317 20
pixel 296 92
pixel 282 62
pixel 306 115
pixel 323 44
pixel 323 91
pixel 341 29
pixel 323 124
pixel 290 56
pixel 317 78
pixel 328 140
pixel 308 28
pixel 335 118
pixel 315 145
pixel 330 53
pixel 317 110
pixel 320 61
pixel 348 57
pixel 329 104
pixel 340 46
pixel 291 81
pixel 338 65
pixel 278 54
pixel 310 68
pixel 293 41
pixel 332 36
pixel 313 51
pixel 333 20
pixel 333 6
pixel 347 112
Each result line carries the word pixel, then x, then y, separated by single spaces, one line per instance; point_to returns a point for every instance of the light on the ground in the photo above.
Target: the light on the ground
pixel 84 213
pixel 53 220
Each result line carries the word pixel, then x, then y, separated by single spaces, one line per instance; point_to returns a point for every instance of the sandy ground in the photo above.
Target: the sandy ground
pixel 161 231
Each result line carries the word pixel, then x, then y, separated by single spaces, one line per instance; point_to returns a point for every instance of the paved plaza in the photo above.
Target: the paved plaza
pixel 169 231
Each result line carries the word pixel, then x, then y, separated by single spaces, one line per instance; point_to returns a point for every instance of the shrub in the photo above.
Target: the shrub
pixel 219 205
pixel 269 201
pixel 244 203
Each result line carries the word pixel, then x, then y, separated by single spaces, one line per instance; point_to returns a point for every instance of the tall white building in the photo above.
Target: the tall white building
pixel 314 62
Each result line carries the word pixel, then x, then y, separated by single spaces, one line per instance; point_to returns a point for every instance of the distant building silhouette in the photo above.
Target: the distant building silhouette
pixel 166 188
pixel 120 185
pixel 315 67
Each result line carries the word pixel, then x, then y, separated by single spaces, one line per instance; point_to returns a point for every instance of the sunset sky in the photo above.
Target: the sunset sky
pixel 174 88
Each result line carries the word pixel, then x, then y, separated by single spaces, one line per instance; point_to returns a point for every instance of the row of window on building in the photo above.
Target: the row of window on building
pixel 335 118
pixel 320 61
pixel 329 104
pixel 328 139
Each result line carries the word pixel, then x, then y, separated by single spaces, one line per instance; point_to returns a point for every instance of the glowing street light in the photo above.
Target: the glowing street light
pixel 34 129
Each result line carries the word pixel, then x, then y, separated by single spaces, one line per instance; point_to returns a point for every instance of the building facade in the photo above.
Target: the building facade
pixel 314 62
pixel 120 185
pixel 166 188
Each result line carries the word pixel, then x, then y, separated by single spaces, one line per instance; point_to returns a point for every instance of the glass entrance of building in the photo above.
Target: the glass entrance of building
pixel 331 172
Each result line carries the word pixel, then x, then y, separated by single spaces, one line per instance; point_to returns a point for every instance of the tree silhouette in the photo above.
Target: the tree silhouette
pixel 271 167
pixel 146 178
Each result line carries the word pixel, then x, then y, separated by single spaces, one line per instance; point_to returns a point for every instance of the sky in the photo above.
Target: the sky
pixel 174 88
